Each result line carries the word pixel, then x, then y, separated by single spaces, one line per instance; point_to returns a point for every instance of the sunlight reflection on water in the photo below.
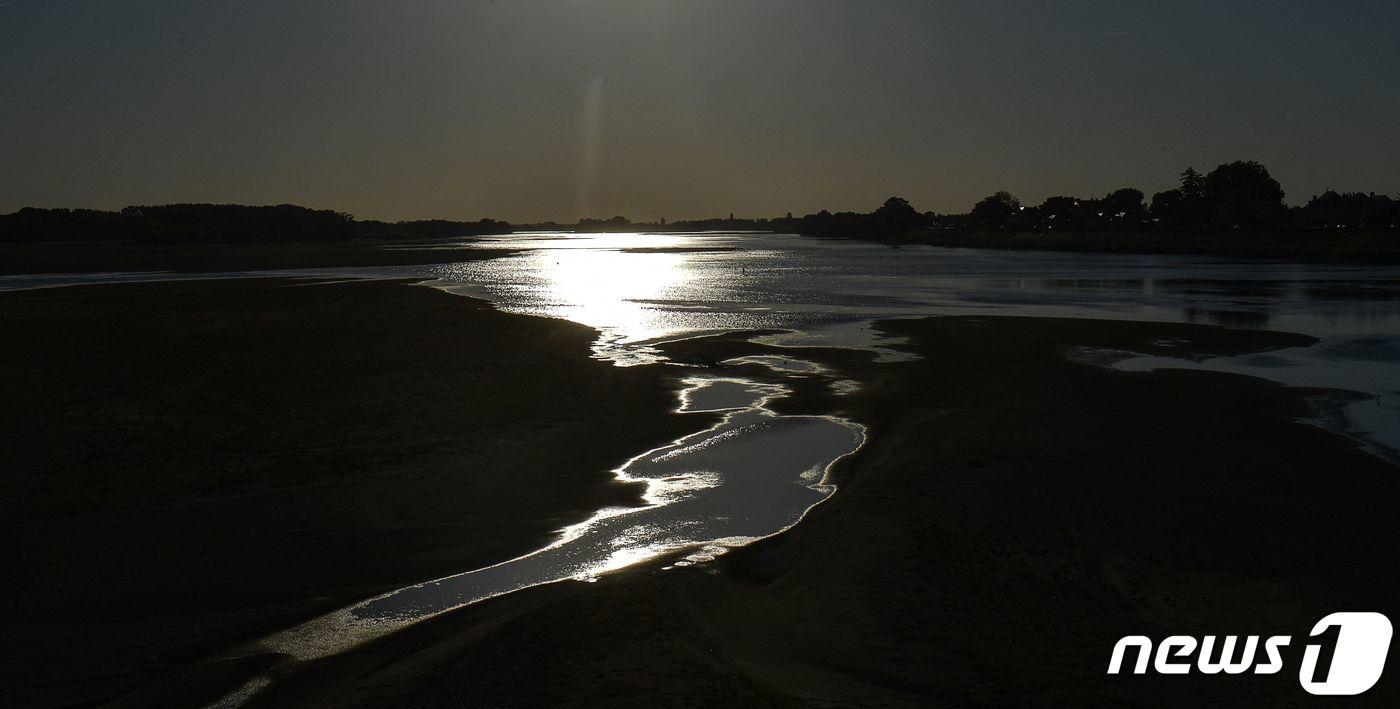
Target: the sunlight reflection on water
pixel 756 472
pixel 824 292
pixel 752 475
pixel 827 293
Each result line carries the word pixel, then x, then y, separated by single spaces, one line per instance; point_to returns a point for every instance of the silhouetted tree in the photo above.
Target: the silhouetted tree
pixel 1193 186
pixel 1242 194
pixel 1187 206
pixel 1166 206
pixel 894 217
pixel 995 211
pixel 1055 213
pixel 617 223
pixel 1125 203
pixel 891 220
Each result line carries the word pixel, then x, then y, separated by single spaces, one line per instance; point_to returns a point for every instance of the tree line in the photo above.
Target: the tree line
pixel 623 224
pixel 1236 196
pixel 222 224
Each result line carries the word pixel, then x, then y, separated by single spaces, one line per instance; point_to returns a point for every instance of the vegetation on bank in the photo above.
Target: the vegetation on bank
pixel 1237 197
pixel 1236 209
pixel 222 224
pixel 623 224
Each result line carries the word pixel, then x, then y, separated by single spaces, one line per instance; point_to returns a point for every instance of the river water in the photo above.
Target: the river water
pixel 752 475
pixel 638 289
pixel 757 472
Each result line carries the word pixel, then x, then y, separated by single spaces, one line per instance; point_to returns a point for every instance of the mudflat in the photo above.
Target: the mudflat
pixel 1013 514
pixel 113 256
pixel 292 447
pixel 191 464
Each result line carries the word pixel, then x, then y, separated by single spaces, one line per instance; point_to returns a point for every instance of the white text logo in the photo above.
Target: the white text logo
pixel 1345 654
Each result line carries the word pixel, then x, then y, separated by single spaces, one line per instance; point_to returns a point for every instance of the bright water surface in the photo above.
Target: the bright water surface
pixel 756 473
pixel 750 476
pixel 638 289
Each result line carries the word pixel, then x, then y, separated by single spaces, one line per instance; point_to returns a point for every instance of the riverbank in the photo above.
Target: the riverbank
pixel 1013 514
pixel 117 256
pixel 1308 246
pixel 192 464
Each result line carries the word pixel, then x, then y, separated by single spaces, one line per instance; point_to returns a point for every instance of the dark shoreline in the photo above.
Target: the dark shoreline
pixel 20 258
pixel 1373 247
pixel 1342 247
pixel 285 450
pixel 1012 515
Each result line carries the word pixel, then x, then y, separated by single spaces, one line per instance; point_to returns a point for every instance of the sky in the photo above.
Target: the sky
pixel 530 111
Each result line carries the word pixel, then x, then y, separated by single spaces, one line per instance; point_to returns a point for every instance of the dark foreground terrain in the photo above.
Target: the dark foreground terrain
pixel 1013 514
pixel 111 256
pixel 189 464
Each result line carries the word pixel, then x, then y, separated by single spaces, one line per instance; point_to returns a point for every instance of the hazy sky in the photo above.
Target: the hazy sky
pixel 553 110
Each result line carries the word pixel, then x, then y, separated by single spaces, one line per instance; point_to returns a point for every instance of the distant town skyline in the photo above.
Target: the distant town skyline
pixel 535 111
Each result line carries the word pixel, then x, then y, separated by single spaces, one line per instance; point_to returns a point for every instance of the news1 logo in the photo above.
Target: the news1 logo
pixel 1345 654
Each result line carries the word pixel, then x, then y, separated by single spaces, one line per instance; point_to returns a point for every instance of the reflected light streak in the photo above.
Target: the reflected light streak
pixel 607 289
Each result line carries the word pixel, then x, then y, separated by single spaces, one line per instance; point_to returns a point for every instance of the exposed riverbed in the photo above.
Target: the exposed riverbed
pixel 752 475
pixel 756 473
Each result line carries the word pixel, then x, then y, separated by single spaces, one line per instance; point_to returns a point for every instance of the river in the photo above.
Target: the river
pixel 757 472
pixel 639 289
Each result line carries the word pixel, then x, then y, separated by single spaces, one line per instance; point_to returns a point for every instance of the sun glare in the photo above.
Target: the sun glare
pixel 611 288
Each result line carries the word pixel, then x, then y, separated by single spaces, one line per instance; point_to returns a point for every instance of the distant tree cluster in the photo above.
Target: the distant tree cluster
pixel 1236 196
pixel 31 224
pixel 221 224
pixel 428 229
pixel 893 218
pixel 1120 209
pixel 623 224
pixel 234 223
pixel 731 223
pixel 601 225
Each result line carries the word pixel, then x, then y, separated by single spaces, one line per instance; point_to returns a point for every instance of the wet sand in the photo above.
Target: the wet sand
pixel 192 464
pixel 1013 514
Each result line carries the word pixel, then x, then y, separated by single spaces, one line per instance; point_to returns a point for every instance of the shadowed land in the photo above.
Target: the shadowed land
pixel 1012 516
pixel 192 464
pixel 116 256
pixel 213 238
